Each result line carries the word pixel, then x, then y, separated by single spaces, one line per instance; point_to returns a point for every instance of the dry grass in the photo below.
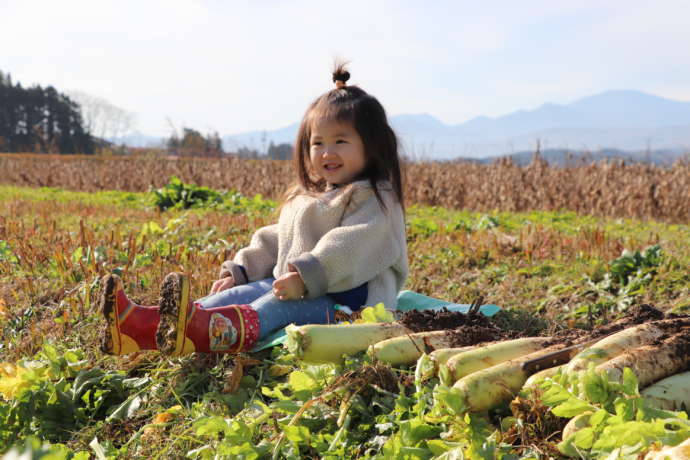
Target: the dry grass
pixel 604 189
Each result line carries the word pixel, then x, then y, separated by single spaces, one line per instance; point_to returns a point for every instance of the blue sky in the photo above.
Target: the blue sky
pixel 233 66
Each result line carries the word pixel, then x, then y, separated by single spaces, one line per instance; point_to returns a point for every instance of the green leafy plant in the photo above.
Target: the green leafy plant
pixel 631 265
pixel 177 194
pixel 486 222
pixel 6 254
pixel 618 288
pixel 34 449
pixel 54 394
pixel 421 227
pixel 621 426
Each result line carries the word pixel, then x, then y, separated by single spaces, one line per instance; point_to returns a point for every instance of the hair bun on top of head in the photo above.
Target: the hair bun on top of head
pixel 340 76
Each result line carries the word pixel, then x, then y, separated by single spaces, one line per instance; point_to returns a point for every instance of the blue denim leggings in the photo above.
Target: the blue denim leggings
pixel 273 312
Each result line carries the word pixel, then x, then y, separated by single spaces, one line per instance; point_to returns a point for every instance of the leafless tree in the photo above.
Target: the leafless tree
pixel 101 118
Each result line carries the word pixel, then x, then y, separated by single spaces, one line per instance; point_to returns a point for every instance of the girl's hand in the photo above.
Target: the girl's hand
pixel 222 284
pixel 289 287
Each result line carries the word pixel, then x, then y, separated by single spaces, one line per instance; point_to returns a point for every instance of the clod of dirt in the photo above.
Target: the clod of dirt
pixel 430 320
pixel 520 323
pixel 471 329
pixel 635 315
pixel 464 336
pixel 644 313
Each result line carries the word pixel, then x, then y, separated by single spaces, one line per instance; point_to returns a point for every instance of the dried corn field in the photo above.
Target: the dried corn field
pixel 605 189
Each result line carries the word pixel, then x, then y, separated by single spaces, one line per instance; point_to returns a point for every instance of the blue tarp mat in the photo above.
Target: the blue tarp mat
pixel 407 300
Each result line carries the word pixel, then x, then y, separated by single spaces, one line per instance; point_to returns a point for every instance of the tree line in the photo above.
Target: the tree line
pixel 192 143
pixel 38 119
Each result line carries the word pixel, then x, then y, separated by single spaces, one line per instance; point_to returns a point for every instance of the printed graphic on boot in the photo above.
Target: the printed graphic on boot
pixel 221 333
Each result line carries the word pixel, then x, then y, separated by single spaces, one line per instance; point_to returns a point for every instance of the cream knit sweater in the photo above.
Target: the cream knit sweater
pixel 337 241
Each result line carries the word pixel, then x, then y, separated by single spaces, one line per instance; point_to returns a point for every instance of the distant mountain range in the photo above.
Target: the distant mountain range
pixel 620 122
pixel 569 157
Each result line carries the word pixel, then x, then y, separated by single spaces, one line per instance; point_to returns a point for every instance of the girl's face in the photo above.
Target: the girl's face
pixel 336 152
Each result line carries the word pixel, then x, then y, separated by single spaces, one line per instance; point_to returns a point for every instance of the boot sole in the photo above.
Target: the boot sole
pixel 108 308
pixel 173 303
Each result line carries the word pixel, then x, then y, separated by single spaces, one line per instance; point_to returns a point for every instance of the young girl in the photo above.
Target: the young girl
pixel 340 239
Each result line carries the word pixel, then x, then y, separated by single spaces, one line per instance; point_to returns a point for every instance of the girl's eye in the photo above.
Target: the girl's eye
pixel 340 141
pixel 316 143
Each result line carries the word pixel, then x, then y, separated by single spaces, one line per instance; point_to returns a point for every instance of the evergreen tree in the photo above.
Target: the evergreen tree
pixel 40 120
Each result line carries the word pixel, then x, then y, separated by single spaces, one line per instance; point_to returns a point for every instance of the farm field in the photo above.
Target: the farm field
pixel 608 189
pixel 549 270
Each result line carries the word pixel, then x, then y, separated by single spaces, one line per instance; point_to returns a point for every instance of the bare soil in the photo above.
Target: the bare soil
pixel 463 329
pixel 474 328
pixel 430 320
pixel 464 336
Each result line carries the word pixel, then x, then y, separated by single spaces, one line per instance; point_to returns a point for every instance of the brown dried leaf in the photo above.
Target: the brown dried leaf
pixel 249 361
pixel 232 384
pixel 278 370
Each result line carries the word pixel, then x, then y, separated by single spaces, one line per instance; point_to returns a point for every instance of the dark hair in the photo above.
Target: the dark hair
pixel 351 104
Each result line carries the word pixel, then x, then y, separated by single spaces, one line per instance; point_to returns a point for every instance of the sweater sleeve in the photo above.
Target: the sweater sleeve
pixel 257 259
pixel 367 242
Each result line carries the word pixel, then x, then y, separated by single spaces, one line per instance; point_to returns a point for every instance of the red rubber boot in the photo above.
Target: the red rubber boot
pixel 128 327
pixel 185 327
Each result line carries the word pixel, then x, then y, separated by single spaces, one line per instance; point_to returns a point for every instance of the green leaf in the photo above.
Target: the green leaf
pixel 584 438
pixel 629 433
pixel 554 394
pixel 626 409
pixel 452 398
pixel 275 392
pixel 286 405
pixel 298 434
pixel 595 387
pixel 238 432
pixel 630 384
pixel 444 449
pixel 136 383
pixel 77 254
pixel 86 379
pixel 567 448
pixel 415 453
pixel 320 373
pixel 127 408
pixel 592 353
pixel 377 314
pixel 302 385
pixel 6 253
pixel 244 451
pixel 572 407
pixel 210 426
pixel 445 375
pixel 598 418
pixel 414 430
pixel 300 381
